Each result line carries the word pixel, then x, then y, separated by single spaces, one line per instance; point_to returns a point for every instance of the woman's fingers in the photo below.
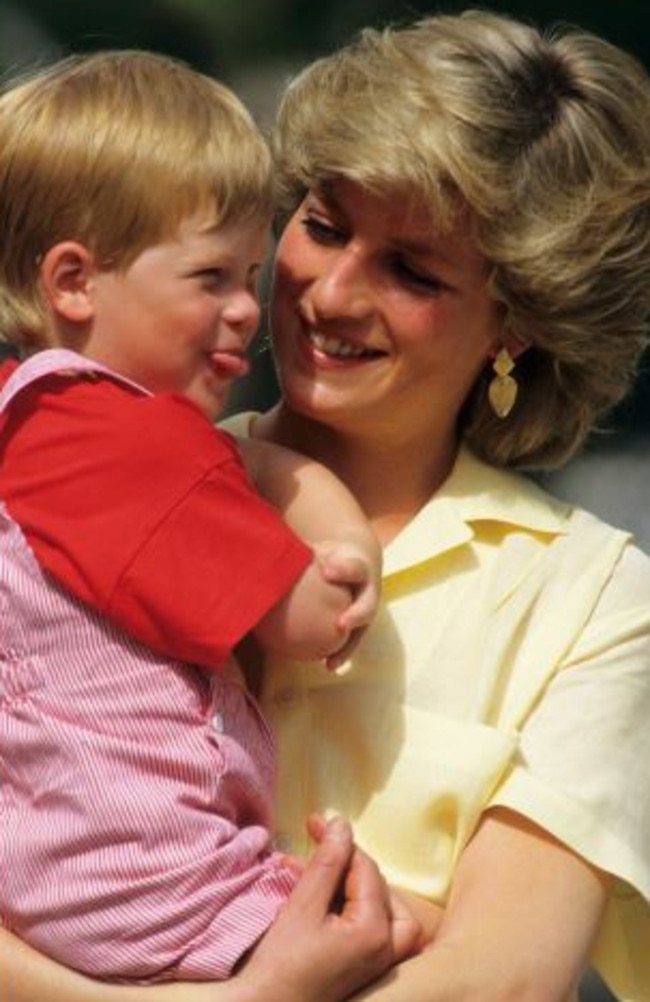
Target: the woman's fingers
pixel 406 929
pixel 368 899
pixel 325 870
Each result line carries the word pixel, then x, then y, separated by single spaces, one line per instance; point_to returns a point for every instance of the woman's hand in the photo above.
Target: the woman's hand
pixel 317 953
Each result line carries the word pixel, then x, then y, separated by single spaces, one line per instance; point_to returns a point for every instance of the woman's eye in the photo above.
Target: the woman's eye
pixel 422 280
pixel 320 230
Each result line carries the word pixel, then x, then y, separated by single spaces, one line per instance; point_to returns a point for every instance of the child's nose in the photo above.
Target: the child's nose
pixel 243 312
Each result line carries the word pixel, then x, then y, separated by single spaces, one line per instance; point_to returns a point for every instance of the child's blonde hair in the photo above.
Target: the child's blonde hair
pixel 114 150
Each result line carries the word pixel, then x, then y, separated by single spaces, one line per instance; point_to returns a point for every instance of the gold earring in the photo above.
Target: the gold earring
pixel 502 391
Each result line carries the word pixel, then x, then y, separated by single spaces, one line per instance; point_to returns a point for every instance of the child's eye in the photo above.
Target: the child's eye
pixel 253 280
pixel 321 230
pixel 211 277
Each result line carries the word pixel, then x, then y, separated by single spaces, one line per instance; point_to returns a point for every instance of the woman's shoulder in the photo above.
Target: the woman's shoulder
pixel 572 542
pixel 240 424
pixel 512 492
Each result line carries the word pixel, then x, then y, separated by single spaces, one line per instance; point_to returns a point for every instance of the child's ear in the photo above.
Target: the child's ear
pixel 67 271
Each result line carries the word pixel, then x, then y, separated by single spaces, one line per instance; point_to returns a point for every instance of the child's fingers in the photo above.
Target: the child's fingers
pixel 340 656
pixel 348 569
pixel 362 608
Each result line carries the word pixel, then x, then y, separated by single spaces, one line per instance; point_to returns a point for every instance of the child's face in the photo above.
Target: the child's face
pixel 181 317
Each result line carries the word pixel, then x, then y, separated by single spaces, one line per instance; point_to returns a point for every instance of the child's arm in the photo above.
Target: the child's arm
pixel 337 596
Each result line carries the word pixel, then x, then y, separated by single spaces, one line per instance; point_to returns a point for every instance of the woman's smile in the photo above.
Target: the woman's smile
pixel 328 348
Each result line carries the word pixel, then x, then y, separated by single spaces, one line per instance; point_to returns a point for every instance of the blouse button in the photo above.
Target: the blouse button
pixel 217 723
pixel 282 842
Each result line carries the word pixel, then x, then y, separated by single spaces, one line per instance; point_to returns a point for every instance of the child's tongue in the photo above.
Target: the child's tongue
pixel 230 365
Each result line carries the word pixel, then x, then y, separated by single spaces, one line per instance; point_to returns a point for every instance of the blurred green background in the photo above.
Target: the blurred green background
pixel 254 43
pixel 224 35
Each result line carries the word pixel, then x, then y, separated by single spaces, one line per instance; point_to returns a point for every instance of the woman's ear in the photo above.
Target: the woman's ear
pixel 67 271
pixel 515 346
pixel 518 346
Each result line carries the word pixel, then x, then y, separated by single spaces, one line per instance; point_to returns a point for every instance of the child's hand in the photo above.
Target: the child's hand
pixel 357 568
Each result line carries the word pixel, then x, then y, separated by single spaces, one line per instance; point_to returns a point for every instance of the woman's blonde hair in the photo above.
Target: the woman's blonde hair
pixel 114 150
pixel 546 138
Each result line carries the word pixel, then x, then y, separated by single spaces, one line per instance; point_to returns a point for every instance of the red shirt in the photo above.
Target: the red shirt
pixel 143 510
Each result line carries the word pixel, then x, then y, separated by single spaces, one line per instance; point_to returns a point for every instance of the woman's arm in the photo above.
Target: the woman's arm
pixel 522 917
pixel 28 976
pixel 310 954
pixel 521 920
pixel 338 594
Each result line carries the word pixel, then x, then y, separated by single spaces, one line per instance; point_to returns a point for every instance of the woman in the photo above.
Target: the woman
pixel 461 289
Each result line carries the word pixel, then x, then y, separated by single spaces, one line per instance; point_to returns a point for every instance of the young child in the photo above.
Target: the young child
pixel 135 200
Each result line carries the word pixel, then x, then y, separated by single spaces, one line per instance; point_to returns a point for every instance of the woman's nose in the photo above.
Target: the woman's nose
pixel 343 289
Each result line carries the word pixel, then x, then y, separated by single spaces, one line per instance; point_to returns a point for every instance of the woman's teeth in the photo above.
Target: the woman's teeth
pixel 337 348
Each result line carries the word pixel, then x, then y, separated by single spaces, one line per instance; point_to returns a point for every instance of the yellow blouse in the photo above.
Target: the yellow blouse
pixel 509 664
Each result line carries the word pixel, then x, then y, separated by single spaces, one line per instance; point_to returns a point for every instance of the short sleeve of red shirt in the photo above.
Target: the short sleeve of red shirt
pixel 144 511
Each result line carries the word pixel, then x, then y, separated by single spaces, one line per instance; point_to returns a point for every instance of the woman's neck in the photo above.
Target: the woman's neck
pixel 391 479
